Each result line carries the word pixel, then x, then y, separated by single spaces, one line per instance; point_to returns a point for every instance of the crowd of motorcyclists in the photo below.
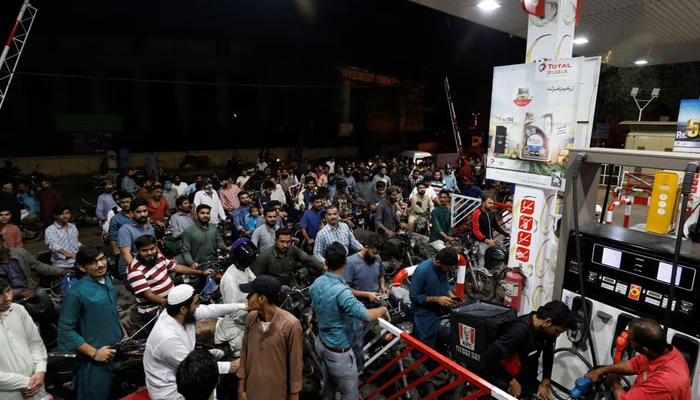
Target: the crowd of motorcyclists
pixel 265 224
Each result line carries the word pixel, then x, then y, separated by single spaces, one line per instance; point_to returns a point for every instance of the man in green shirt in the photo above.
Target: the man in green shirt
pixel 442 225
pixel 201 240
pixel 90 324
pixel 283 259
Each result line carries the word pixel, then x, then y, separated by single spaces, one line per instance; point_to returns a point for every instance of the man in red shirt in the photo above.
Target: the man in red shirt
pixel 149 276
pixel 662 372
pixel 158 207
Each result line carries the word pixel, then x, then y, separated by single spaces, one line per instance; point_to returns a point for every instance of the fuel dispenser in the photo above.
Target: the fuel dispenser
pixel 623 274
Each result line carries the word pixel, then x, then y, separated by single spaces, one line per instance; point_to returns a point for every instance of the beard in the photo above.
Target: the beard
pixel 369 259
pixel 204 221
pixel 190 319
pixel 147 262
pixel 142 220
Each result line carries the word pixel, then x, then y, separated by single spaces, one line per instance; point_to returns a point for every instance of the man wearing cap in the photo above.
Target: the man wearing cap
pixel 431 295
pixel 272 352
pixel 173 339
pixel 337 309
pixel 105 201
pixel 364 187
pixel 450 178
pixel 387 220
pixel 128 182
pixel 209 197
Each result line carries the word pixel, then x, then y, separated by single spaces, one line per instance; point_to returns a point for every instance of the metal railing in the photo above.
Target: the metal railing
pixel 481 386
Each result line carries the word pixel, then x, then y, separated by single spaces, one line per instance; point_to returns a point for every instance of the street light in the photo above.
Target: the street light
pixel 644 103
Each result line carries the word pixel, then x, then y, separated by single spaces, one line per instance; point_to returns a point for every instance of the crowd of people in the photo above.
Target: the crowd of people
pixel 262 342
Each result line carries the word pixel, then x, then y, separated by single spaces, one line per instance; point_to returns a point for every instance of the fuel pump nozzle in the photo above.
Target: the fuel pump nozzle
pixel 581 388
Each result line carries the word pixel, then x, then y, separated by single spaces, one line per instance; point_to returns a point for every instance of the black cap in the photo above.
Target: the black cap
pixel 266 285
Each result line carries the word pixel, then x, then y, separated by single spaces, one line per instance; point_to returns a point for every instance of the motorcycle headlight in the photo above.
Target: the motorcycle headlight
pixel 413 242
pixel 307 315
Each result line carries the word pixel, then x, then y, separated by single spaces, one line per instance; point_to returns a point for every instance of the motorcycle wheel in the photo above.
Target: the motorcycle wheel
pixel 466 389
pixel 486 286
pixel 419 391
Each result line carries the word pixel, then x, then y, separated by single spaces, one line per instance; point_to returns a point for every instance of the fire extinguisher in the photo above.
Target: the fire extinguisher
pixel 515 281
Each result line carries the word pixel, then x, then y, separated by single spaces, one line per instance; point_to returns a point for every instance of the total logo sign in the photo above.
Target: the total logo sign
pixel 554 71
pixel 525 229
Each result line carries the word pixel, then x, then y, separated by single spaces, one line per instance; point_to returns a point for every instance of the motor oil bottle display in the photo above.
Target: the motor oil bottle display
pixel 536 140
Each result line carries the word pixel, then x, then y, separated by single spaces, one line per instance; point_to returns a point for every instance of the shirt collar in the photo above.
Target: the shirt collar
pixel 653 365
pixel 281 255
pixel 9 310
pixel 334 276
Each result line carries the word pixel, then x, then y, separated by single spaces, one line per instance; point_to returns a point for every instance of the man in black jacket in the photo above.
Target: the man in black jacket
pixel 483 225
pixel 513 358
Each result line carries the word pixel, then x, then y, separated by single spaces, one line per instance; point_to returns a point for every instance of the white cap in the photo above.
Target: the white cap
pixel 598 208
pixel 180 293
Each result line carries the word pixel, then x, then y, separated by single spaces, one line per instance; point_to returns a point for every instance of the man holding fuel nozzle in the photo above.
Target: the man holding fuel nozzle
pixel 513 358
pixel 662 372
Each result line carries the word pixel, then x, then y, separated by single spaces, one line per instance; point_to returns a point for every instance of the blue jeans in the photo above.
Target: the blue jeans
pixel 339 372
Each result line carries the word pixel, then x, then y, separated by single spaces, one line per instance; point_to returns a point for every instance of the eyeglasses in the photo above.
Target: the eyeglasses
pixel 98 261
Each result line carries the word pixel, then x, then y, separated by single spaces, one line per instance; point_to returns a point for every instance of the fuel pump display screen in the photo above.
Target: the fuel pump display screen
pixel 643 265
pixel 632 271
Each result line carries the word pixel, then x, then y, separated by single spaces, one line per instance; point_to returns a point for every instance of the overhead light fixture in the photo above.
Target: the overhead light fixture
pixel 655 92
pixel 580 40
pixel 641 62
pixel 488 5
pixel 635 91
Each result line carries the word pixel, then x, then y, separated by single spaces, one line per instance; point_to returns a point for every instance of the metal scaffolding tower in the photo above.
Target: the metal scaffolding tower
pixel 14 46
pixel 453 117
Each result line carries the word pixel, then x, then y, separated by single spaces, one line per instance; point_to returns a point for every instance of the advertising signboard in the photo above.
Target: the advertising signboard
pixel 688 131
pixel 533 122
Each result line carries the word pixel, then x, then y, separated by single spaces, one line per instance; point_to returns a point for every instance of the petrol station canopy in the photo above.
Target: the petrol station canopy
pixel 622 32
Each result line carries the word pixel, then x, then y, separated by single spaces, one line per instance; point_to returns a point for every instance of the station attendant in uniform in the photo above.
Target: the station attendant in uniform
pixel 662 372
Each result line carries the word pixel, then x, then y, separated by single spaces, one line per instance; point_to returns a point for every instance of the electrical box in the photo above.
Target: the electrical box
pixel 663 205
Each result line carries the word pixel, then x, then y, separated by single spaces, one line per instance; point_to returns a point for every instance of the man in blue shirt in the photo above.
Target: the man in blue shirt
pixel 240 214
pixel 472 190
pixel 105 201
pixel 89 325
pixel 311 221
pixel 364 274
pixel 128 234
pixel 121 218
pixel 431 295
pixel 31 205
pixel 337 311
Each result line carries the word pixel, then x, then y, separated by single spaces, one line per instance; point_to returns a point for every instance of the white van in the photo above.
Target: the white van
pixel 417 157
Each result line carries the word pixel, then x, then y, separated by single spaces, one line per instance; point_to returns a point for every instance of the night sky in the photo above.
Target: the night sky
pixel 267 42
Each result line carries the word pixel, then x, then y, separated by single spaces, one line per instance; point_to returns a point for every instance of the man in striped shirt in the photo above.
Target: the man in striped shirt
pixel 149 278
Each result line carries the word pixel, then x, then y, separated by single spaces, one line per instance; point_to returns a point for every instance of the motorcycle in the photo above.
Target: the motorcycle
pixel 480 283
pixel 195 161
pixel 399 305
pixel 208 286
pixel 86 215
pixel 298 303
pixel 226 232
pixel 399 252
pixel 32 230
pixel 129 375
